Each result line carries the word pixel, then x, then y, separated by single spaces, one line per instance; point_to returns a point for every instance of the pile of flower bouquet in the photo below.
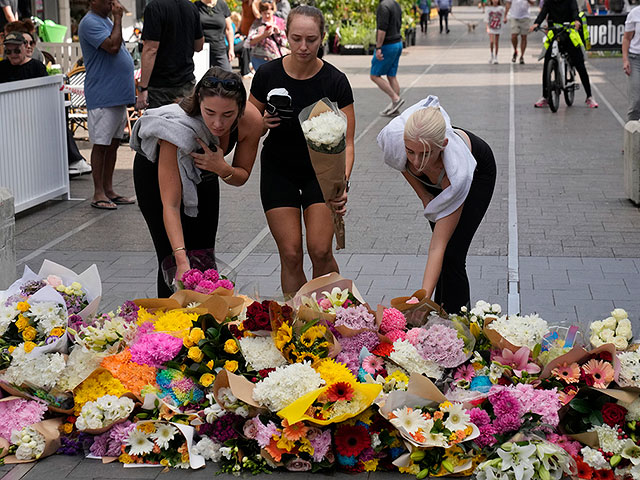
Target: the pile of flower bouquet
pixel 321 383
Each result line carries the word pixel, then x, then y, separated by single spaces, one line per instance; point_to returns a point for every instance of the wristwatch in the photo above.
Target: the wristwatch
pixel 143 89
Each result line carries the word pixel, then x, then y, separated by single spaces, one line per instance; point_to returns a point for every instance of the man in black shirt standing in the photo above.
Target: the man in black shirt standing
pixel 18 66
pixel 561 11
pixel 171 33
pixel 387 55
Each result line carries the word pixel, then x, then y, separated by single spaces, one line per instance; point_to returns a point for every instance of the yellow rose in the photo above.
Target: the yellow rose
pixel 164 462
pixel 231 346
pixel 210 364
pixel 147 428
pixel 28 346
pixel 57 332
pixel 22 322
pixel 231 365
pixel 11 349
pixel 125 458
pixel 196 335
pixel 195 354
pixel 67 427
pixel 207 379
pixel 29 333
pixel 186 341
pixel 23 306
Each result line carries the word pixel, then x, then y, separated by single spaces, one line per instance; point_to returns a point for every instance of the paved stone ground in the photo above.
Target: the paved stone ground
pixel 579 238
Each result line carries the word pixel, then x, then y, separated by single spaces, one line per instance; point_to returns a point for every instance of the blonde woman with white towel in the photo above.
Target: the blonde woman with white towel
pixel 453 172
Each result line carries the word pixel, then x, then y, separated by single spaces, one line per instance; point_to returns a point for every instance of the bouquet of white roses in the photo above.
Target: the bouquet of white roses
pixel 325 128
pixel 615 329
pixel 104 412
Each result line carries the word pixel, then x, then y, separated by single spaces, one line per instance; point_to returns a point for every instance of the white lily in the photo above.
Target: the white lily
pixel 519 459
pixel 337 297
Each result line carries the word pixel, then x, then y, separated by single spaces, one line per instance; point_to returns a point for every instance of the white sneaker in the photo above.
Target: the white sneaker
pixel 79 167
pixel 491 60
pixel 495 60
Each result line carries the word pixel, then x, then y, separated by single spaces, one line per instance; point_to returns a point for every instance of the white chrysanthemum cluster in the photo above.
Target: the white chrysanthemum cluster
pixel 629 375
pixel 30 443
pixel 608 438
pixel 615 329
pixel 42 370
pixel 105 411
pixel 594 458
pixel 209 449
pixel 524 331
pixel 633 410
pixel 80 364
pixel 261 353
pixel 407 356
pixel 325 130
pixel 286 384
pixel 47 316
pixel 107 334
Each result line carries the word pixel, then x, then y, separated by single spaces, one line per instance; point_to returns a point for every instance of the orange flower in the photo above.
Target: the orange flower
pixel 134 377
pixel 294 432
pixel 437 415
pixel 273 450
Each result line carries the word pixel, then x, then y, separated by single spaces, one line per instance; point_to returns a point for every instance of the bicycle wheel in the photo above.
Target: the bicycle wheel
pixel 552 74
pixel 570 80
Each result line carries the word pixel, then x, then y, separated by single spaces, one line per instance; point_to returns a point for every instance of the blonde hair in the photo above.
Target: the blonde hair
pixel 236 18
pixel 424 126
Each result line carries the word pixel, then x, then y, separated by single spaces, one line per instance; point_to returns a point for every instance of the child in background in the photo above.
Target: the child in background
pixel 494 16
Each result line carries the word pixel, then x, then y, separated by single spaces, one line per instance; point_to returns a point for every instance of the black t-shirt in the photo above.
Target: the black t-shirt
pixel 31 69
pixel 389 19
pixel 285 145
pixel 213 21
pixel 14 8
pixel 559 11
pixel 176 25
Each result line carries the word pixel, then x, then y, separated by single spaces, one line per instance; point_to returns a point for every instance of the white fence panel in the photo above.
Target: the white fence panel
pixel 33 141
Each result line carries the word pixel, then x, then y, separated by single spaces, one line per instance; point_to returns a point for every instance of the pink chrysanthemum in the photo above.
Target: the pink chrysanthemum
pixel 394 335
pixel 415 336
pixel 392 319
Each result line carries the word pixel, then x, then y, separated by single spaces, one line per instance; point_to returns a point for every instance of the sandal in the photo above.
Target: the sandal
pixel 120 200
pixel 104 205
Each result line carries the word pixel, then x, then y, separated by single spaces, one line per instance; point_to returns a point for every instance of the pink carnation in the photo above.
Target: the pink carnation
pixel 224 283
pixel 205 286
pixel 155 349
pixel 394 335
pixel 392 319
pixel 211 275
pixel 416 336
pixel 191 278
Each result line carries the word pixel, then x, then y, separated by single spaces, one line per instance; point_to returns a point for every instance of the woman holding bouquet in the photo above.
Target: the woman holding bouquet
pixel 453 172
pixel 288 184
pixel 180 156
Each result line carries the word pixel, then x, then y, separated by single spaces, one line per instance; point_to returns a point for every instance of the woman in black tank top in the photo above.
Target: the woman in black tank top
pixel 220 102
pixel 445 271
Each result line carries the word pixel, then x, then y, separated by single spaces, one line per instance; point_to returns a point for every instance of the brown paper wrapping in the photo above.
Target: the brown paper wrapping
pixel 496 339
pixel 98 431
pixel 416 313
pixel 50 430
pixel 423 387
pixel 220 304
pixel 578 354
pixel 325 283
pixel 241 388
pixel 330 172
pixel 12 390
pixel 4 448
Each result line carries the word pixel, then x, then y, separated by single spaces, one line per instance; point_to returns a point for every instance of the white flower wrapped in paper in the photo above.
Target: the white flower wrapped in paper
pixel 325 131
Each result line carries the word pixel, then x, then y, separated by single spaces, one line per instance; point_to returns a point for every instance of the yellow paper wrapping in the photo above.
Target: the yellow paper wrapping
pixel 296 412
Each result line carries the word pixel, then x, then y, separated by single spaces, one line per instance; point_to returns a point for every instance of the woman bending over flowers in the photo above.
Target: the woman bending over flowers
pixel 288 183
pixel 180 155
pixel 453 172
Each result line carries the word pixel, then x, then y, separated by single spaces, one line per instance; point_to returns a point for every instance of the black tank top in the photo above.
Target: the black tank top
pixel 233 141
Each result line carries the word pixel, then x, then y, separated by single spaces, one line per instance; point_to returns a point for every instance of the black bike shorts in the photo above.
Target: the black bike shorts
pixel 280 189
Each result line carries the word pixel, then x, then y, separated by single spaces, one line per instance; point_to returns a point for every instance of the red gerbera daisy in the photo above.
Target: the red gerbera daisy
pixel 351 440
pixel 584 470
pixel 383 349
pixel 603 475
pixel 340 391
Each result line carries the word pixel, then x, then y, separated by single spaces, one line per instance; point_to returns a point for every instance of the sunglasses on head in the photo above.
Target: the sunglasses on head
pixel 230 84
pixel 12 51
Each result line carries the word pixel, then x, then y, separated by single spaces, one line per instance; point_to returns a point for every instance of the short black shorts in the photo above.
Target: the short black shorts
pixel 278 189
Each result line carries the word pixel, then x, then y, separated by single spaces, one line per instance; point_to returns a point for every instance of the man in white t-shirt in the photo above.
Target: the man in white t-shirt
pixel 631 61
pixel 517 14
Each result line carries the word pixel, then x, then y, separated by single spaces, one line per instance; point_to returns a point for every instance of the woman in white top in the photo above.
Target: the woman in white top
pixel 453 172
pixel 631 61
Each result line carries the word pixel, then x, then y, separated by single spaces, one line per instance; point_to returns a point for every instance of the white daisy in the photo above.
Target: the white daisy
pixel 409 419
pixel 164 434
pixel 139 443
pixel 458 418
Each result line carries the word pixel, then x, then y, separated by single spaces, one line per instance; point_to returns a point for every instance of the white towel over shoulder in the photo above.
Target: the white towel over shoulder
pixel 458 160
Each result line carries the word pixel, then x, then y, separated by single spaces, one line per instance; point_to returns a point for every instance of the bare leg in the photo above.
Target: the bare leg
pixel 286 228
pixel 496 41
pixel 514 42
pixel 110 158
pixel 523 45
pixel 395 86
pixel 385 86
pixel 98 160
pixel 319 226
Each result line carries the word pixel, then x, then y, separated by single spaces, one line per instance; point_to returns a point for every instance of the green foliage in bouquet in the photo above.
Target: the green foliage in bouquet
pixel 585 411
pixel 242 455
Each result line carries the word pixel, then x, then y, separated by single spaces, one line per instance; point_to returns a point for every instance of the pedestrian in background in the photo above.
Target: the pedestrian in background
pixel 8 12
pixel 217 27
pixel 425 14
pixel 241 52
pixel 444 8
pixel 170 35
pixel 386 56
pixel 267 36
pixel 631 61
pixel 517 14
pixel 283 7
pixel 250 13
pixel 453 172
pixel 108 87
pixel 180 151
pixel 494 16
pixel 289 189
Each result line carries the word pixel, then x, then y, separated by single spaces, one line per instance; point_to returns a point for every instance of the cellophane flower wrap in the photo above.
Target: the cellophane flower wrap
pixel 110 332
pixel 207 281
pixel 325 128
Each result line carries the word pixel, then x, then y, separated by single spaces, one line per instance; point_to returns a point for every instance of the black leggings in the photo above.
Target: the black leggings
pixel 577 60
pixel 199 232
pixel 424 22
pixel 444 14
pixel 452 289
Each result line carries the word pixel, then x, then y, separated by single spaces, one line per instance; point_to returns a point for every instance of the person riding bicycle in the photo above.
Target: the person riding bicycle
pixel 558 12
